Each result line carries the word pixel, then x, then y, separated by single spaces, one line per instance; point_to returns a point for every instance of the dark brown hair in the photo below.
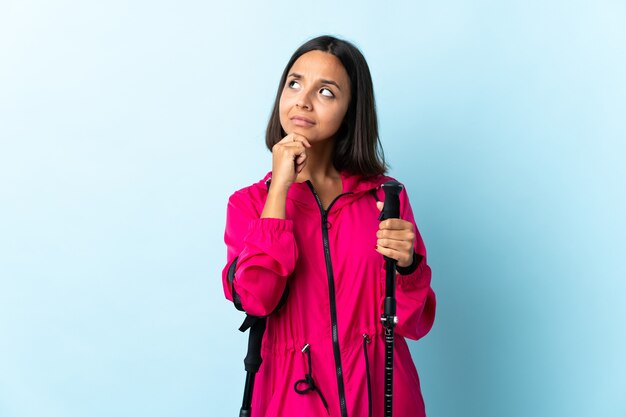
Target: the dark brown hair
pixel 357 146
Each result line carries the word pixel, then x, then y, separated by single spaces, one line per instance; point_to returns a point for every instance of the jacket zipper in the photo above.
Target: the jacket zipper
pixel 331 294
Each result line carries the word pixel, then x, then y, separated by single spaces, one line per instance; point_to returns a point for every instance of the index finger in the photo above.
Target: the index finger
pixel 300 138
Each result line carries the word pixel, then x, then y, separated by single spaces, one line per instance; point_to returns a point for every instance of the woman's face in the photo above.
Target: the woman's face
pixel 315 97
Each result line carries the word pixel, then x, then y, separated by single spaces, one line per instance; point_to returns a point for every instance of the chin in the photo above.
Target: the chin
pixel 301 131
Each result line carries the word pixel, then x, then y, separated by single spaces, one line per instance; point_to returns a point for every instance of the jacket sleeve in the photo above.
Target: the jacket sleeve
pixel 265 253
pixel 415 299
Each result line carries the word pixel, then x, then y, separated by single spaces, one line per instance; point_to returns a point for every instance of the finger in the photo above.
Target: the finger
pixel 380 205
pixel 292 149
pixel 303 140
pixel 297 144
pixel 395 224
pixel 291 138
pixel 404 234
pixel 403 246
pixel 294 137
pixel 300 167
pixel 401 257
pixel 300 158
pixel 286 139
pixel 299 138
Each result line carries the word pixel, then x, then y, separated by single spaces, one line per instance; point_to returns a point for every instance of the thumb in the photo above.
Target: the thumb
pixel 380 205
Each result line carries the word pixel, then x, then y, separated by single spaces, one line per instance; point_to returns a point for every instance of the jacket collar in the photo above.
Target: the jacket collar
pixel 353 185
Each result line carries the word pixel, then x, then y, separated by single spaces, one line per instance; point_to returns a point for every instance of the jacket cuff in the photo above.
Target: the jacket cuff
pixel 407 270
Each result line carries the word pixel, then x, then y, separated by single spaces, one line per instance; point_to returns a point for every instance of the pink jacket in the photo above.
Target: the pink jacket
pixel 336 285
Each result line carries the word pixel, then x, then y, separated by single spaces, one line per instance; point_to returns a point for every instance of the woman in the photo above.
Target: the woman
pixel 312 225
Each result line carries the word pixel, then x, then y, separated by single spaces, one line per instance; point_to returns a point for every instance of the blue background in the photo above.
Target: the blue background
pixel 125 126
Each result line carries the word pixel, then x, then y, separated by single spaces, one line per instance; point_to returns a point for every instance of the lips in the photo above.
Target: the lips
pixel 302 121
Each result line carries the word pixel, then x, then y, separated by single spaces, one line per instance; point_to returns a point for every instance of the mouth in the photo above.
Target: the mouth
pixel 302 121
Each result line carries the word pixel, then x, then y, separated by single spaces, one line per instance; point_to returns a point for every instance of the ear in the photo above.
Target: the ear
pixel 380 205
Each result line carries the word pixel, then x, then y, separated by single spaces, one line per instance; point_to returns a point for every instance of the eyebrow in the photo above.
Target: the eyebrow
pixel 323 81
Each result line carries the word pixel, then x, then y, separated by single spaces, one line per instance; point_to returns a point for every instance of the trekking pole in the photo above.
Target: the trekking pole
pixel 252 361
pixel 391 210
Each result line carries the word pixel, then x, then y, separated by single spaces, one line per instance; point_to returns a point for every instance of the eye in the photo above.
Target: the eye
pixel 293 84
pixel 326 92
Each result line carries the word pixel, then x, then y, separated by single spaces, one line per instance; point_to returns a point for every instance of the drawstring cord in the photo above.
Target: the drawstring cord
pixel 310 383
pixel 366 341
pixel 308 380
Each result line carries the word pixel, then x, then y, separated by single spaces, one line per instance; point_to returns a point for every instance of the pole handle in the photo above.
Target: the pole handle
pixel 391 208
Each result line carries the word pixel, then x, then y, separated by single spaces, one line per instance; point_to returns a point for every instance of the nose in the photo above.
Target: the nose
pixel 304 100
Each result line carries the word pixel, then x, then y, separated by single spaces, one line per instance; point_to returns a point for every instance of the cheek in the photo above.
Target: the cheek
pixel 282 111
pixel 337 119
pixel 281 105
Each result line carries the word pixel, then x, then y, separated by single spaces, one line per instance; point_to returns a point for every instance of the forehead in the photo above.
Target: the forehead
pixel 321 65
